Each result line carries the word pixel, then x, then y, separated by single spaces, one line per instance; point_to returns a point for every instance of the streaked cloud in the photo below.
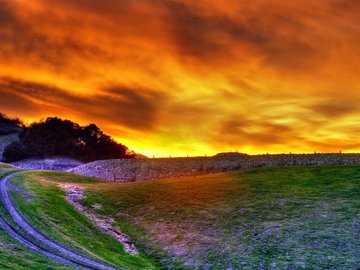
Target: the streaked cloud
pixel 188 77
pixel 118 105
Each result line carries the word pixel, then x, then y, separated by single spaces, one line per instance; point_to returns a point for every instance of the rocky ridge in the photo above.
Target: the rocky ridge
pixel 130 170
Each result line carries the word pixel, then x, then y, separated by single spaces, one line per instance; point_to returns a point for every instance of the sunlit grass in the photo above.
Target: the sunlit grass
pixel 266 218
pixel 42 203
pixel 14 255
pixel 278 218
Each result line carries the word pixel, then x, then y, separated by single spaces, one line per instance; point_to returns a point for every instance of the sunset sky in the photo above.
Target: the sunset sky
pixel 176 77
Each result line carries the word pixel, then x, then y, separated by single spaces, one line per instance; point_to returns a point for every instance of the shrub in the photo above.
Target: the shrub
pixel 58 137
pixel 14 152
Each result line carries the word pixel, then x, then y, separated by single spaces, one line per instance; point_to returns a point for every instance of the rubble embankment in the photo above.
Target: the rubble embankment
pixel 53 164
pixel 130 170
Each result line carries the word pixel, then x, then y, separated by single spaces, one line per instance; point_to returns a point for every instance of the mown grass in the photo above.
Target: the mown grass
pixel 15 256
pixel 266 218
pixel 42 203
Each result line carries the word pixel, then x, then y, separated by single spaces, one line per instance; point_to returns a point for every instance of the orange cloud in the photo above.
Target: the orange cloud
pixel 188 77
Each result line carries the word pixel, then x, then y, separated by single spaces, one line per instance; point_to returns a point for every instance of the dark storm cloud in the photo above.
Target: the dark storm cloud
pixel 277 37
pixel 6 16
pixel 240 130
pixel 124 106
pixel 28 41
pixel 344 5
pixel 198 63
pixel 335 108
pixel 284 39
pixel 135 108
pixel 202 36
pixel 10 101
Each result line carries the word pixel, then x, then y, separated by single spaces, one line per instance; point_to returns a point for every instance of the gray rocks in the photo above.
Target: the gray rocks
pixel 129 170
pixel 55 164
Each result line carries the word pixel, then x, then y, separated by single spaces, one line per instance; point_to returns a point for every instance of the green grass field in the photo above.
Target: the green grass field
pixel 42 203
pixel 14 256
pixel 266 218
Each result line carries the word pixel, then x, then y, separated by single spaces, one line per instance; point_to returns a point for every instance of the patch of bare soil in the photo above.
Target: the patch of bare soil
pixel 106 224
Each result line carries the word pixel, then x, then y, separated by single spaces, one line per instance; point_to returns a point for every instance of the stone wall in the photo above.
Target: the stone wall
pixel 129 170
pixel 55 164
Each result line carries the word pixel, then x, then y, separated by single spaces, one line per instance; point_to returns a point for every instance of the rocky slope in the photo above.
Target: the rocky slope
pixel 53 164
pixel 128 170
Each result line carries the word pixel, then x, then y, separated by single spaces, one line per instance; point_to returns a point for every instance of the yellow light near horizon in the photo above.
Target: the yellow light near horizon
pixel 190 77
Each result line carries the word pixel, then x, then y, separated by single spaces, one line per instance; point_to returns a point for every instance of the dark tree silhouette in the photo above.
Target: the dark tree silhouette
pixel 58 137
pixel 14 152
pixel 9 125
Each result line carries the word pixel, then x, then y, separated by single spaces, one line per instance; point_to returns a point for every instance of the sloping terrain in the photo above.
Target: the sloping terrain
pixel 9 131
pixel 5 140
pixel 268 218
pixel 14 255
pixel 22 231
pixel 59 229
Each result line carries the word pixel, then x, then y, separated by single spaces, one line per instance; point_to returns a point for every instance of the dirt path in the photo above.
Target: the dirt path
pixel 106 224
pixel 38 242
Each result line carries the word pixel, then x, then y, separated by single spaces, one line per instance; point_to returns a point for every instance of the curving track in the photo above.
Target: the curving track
pixel 31 238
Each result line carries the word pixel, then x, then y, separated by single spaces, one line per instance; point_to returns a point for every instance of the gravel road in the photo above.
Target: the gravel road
pixel 37 241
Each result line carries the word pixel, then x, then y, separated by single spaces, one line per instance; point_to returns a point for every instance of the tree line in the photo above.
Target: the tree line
pixel 64 138
pixel 9 125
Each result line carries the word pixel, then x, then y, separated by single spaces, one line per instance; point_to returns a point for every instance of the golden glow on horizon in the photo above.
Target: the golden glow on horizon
pixel 188 77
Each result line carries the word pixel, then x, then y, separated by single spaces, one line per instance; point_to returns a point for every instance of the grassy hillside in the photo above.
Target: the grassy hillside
pixel 278 218
pixel 43 205
pixel 14 256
